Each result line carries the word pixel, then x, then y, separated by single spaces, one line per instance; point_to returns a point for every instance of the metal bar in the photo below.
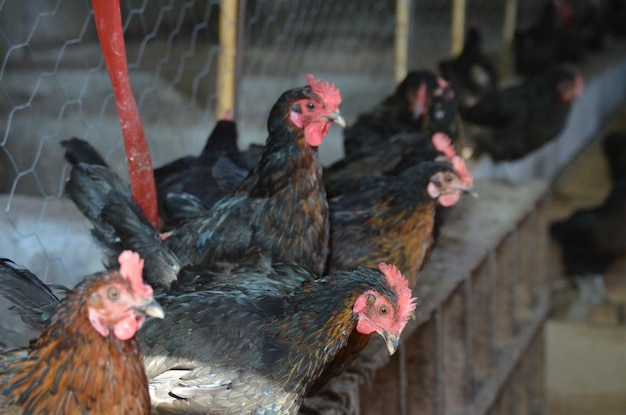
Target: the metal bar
pixel 458 26
pixel 403 11
pixel 226 65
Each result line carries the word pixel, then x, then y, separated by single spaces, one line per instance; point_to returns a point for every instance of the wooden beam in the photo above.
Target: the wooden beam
pixel 403 11
pixel 226 65
pixel 458 27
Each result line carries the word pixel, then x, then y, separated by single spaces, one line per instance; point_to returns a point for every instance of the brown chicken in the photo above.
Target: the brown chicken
pixel 247 351
pixel 85 359
pixel 280 208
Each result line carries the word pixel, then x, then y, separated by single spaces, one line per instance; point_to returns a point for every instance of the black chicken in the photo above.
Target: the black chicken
pixel 212 175
pixel 471 74
pixel 402 112
pixel 591 239
pixel 556 37
pixel 188 181
pixel 614 146
pixel 442 120
pixel 520 119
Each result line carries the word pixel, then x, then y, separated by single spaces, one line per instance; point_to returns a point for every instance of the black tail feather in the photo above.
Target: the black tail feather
pixel 33 300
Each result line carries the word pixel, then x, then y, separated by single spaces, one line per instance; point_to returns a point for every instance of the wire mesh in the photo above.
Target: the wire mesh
pixel 53 86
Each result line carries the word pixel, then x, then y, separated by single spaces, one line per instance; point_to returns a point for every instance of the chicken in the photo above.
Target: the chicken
pixel 614 147
pixel 86 358
pixel 572 42
pixel 280 208
pixel 471 74
pixel 616 17
pixel 442 119
pixel 388 218
pixel 402 112
pixel 538 48
pixel 405 151
pixel 234 352
pixel 517 120
pixel 212 175
pixel 187 181
pixel 591 239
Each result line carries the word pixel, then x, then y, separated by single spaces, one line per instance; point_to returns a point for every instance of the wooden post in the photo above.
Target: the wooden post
pixel 508 33
pixel 458 26
pixel 227 59
pixel 403 11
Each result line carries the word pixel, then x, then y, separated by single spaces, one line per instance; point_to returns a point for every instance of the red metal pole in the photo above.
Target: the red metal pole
pixel 111 34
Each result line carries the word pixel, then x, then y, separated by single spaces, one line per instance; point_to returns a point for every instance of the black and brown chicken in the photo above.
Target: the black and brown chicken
pixel 279 209
pixel 247 351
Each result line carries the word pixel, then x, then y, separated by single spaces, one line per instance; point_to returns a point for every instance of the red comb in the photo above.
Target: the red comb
pixel 131 268
pixel 327 92
pixel 461 168
pixel 443 144
pixel 442 83
pixel 400 285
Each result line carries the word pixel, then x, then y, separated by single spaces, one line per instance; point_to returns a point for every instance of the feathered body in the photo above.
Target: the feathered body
pixel 281 206
pixel 236 351
pixel 212 175
pixel 402 112
pixel 392 219
pixel 471 74
pixel 591 239
pixel 188 184
pixel 614 147
pixel 279 210
pixel 85 360
pixel 537 47
pixel 442 118
pixel 520 119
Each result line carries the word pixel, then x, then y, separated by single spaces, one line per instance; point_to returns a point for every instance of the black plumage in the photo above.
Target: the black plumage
pixel 591 239
pixel 517 120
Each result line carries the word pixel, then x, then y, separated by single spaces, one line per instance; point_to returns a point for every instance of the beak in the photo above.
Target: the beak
pixel 337 119
pixel 471 191
pixel 391 340
pixel 153 309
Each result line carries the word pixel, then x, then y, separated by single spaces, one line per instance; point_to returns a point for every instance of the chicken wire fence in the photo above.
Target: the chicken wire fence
pixel 54 85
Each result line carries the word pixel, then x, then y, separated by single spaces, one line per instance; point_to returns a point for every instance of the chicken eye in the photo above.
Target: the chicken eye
pixel 113 294
pixel 382 310
pixel 310 106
